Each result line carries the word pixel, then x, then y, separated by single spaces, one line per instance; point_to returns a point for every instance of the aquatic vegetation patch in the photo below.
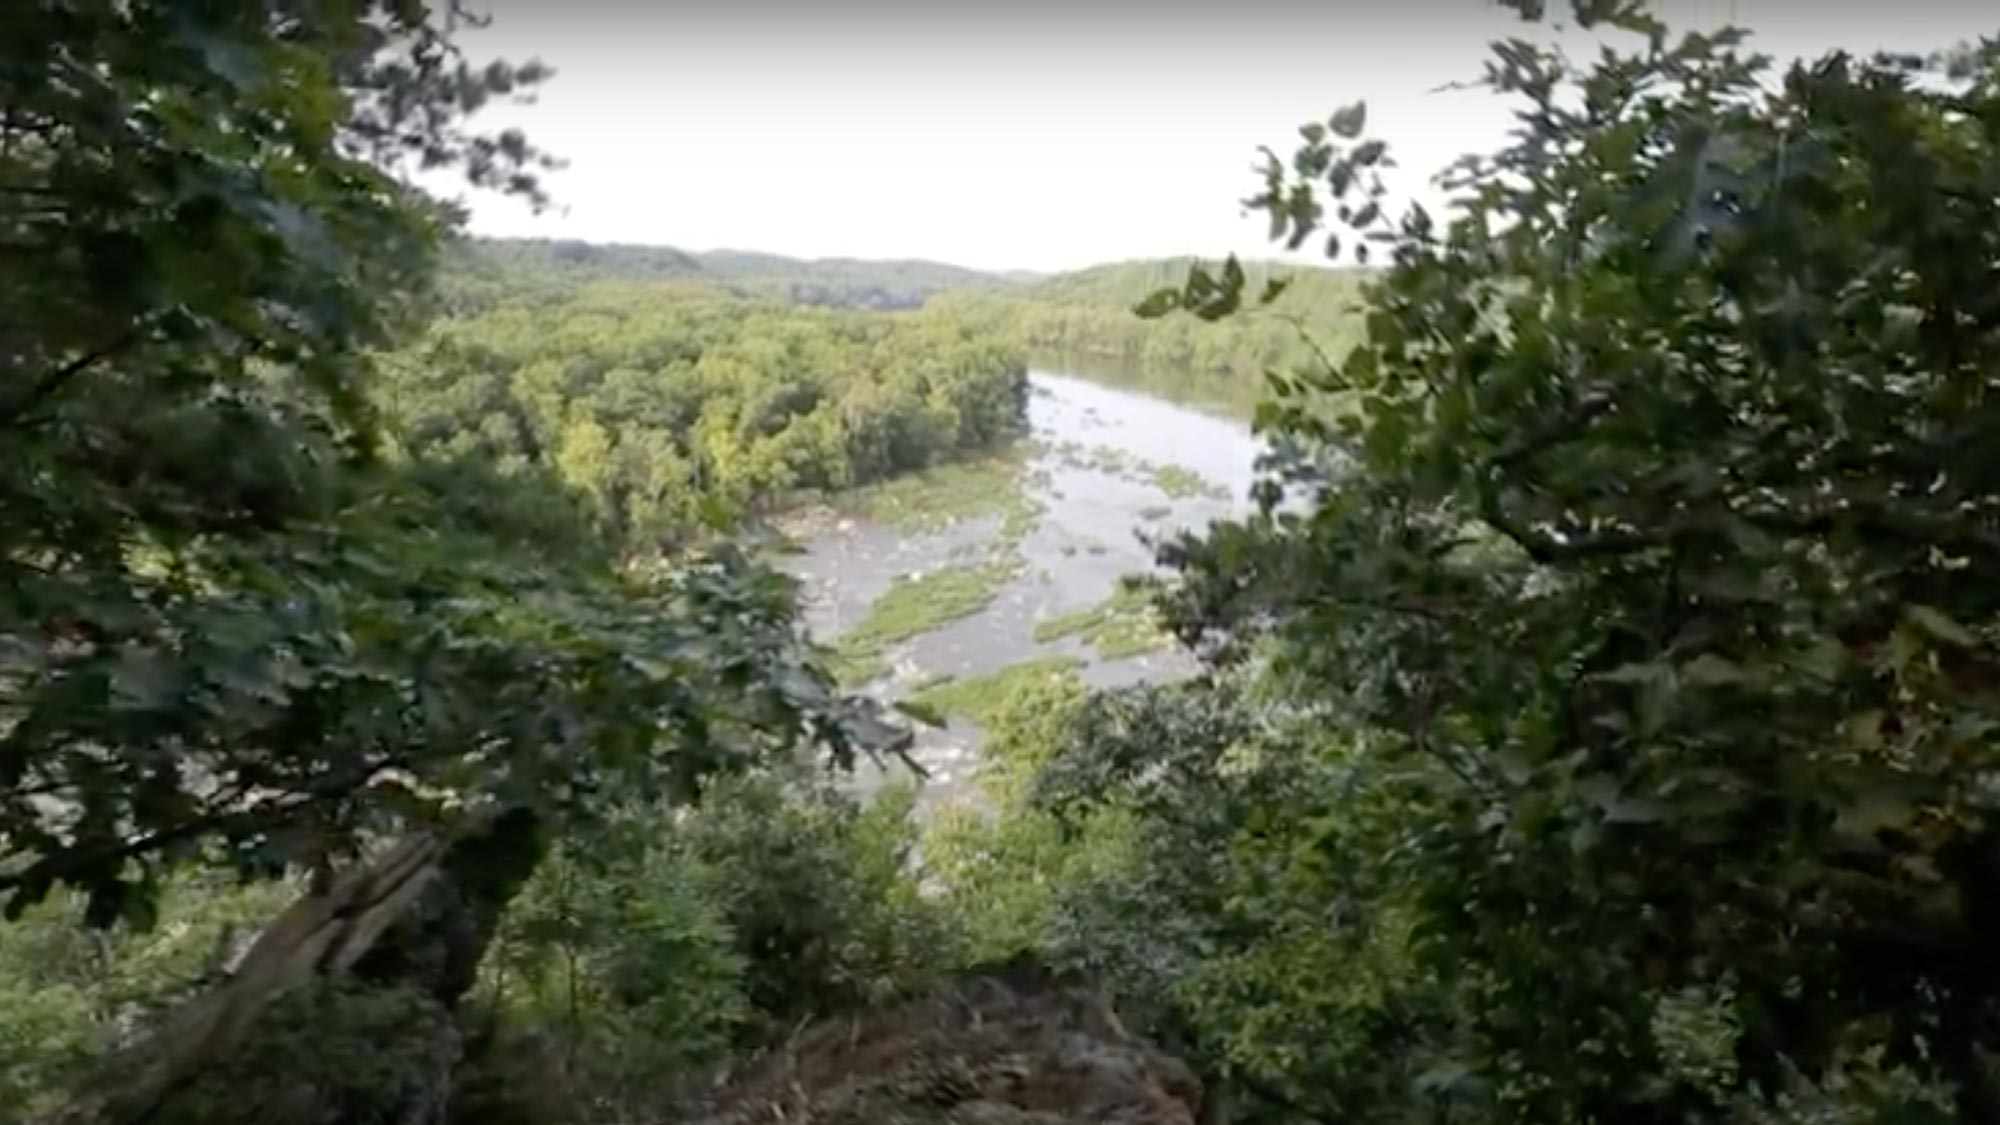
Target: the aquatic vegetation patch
pixel 932 680
pixel 980 698
pixel 1178 481
pixel 945 495
pixel 853 667
pixel 914 605
pixel 1119 626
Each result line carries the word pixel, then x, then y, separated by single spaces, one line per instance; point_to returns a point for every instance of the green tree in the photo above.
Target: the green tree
pixel 682 409
pixel 583 459
pixel 69 991
pixel 232 631
pixel 205 234
pixel 1634 561
pixel 239 628
pixel 644 957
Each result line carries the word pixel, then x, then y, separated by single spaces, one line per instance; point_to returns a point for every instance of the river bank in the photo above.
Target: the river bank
pixel 949 587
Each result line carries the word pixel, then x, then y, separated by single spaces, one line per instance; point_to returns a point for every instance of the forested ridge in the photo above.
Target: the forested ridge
pixel 1594 716
pixel 683 392
pixel 479 270
pixel 1079 316
pixel 1087 316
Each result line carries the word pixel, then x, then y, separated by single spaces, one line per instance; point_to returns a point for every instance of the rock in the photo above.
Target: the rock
pixel 1015 1047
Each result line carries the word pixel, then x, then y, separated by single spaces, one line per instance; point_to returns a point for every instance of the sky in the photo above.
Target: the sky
pixel 1038 134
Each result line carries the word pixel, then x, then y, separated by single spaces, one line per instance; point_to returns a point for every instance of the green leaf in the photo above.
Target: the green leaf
pixel 1639 672
pixel 1710 670
pixel 1350 120
pixel 1158 303
pixel 1634 810
pixel 1935 624
pixel 142 680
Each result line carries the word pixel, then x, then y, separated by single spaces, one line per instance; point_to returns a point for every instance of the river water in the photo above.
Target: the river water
pixel 1092 467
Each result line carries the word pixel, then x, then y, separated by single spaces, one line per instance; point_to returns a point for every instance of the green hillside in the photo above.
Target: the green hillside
pixel 1081 318
pixel 481 272
pixel 1085 318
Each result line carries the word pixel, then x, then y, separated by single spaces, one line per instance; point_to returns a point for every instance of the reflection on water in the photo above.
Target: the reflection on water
pixel 1228 396
pixel 1095 507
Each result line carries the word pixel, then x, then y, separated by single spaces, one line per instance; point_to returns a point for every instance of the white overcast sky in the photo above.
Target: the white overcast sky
pixel 1037 134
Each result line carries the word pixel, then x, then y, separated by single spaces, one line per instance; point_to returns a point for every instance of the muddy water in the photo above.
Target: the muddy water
pixel 1094 452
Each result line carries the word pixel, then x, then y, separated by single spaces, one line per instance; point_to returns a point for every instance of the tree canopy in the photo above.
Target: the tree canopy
pixel 675 407
pixel 1597 713
pixel 1621 600
pixel 233 628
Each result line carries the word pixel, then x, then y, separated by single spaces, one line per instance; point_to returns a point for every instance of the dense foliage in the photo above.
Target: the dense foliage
pixel 635 966
pixel 211 629
pixel 69 991
pixel 1086 318
pixel 1618 735
pixel 483 271
pixel 1078 319
pixel 239 630
pixel 673 407
pixel 1598 714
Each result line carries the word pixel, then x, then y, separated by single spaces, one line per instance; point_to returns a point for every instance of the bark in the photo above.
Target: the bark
pixel 417 918
pixel 326 929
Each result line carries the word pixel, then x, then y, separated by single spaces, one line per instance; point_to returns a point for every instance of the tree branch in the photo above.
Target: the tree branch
pixel 67 864
pixel 52 382
pixel 1547 549
pixel 1298 324
pixel 1558 430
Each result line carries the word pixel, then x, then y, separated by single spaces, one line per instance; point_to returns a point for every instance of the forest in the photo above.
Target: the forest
pixel 1594 715
pixel 673 407
pixel 477 271
pixel 1087 316
pixel 1081 317
pixel 682 393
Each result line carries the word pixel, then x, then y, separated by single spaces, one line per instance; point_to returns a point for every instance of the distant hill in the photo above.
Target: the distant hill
pixel 1127 283
pixel 913 272
pixel 1081 314
pixel 570 260
pixel 475 266
pixel 1084 320
pixel 848 282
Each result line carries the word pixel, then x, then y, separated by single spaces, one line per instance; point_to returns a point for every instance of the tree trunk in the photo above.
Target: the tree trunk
pixel 418 917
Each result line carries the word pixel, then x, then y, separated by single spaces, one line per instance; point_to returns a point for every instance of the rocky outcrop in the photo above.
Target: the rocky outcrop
pixel 1017 1047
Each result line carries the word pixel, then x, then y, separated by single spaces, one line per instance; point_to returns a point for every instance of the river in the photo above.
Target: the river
pixel 1103 469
